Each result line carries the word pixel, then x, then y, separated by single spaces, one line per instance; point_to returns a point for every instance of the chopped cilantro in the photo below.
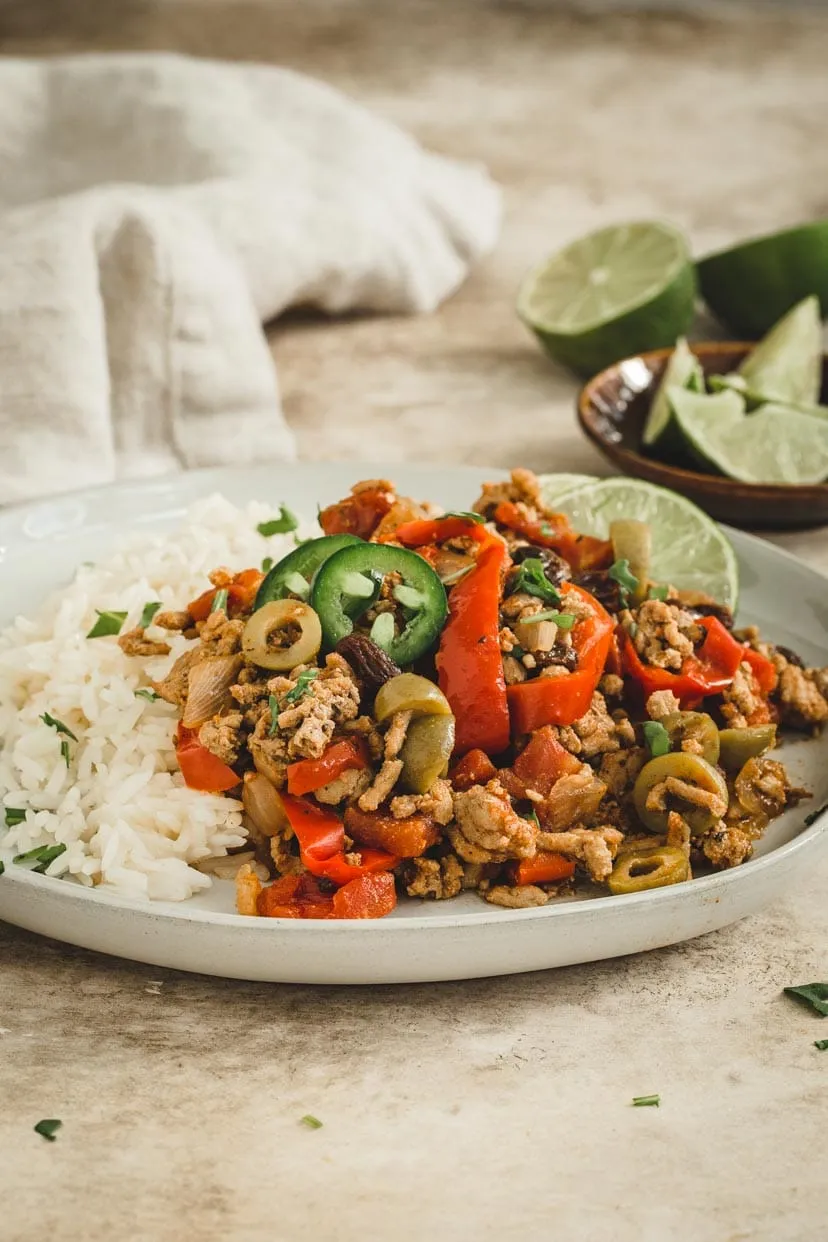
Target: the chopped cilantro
pixel 267 564
pixel 282 525
pixel 620 572
pixel 149 612
pixel 14 816
pixel 531 579
pixel 658 592
pixel 821 1044
pixel 464 513
pixel 273 704
pixel 42 855
pixel 517 651
pixel 146 693
pixel 813 816
pixel 313 1123
pixel 302 686
pixel 656 737
pixel 646 1101
pixel 64 750
pixel 48 1129
pixel 54 723
pixel 532 816
pixel 563 620
pixel 106 624
pixel 547 530
pixel 814 994
pixel 219 603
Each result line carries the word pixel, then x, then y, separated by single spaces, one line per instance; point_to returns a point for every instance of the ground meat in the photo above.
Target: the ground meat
pixel 248 887
pixel 389 773
pixel 726 847
pixel 330 700
pixel 594 847
pixel 685 792
pixel 432 877
pixel 347 787
pixel 619 771
pixel 611 686
pixel 742 699
pixel 678 833
pixel 523 488
pixel 487 828
pixel 251 688
pixel 521 605
pixel 665 635
pixel 801 704
pixel 571 799
pixel 596 730
pixel 516 897
pixel 222 736
pixel 284 859
pixel 365 728
pixel 133 643
pixel 179 621
pixel 173 689
pixel 437 804
pixel 270 753
pixel 662 703
pixel 219 636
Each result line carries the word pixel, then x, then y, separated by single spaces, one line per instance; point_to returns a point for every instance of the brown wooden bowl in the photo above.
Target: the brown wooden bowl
pixel 612 409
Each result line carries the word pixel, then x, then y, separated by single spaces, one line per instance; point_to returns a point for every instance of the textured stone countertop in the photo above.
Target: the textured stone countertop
pixel 495 1109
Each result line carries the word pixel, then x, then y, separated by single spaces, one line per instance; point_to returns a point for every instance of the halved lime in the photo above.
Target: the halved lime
pixel 688 548
pixel 786 365
pixel 752 285
pixel 775 445
pixel 611 294
pixel 683 370
pixel 555 485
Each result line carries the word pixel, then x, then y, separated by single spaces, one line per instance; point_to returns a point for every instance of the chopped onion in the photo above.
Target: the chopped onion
pixel 208 688
pixel 632 542
pixel 263 805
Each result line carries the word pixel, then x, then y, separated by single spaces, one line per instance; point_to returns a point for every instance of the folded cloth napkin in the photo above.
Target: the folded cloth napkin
pixel 155 210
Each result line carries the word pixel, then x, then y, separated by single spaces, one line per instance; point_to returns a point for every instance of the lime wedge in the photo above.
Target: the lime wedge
pixel 777 444
pixel 688 548
pixel 752 285
pixel 754 399
pixel 614 293
pixel 682 371
pixel 555 485
pixel 786 365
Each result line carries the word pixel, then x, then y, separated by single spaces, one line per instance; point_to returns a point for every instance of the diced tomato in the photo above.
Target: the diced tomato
pixel 542 762
pixel 405 838
pixel 370 897
pixel 295 897
pixel 475 768
pixel 544 868
pixel 240 596
pixel 310 774
pixel 200 768
pixel 358 514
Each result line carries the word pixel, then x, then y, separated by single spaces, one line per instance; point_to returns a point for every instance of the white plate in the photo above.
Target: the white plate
pixel 41 544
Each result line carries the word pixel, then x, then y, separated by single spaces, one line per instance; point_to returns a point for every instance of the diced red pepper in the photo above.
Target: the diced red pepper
pixel 475 768
pixel 200 768
pixel 240 596
pixel 540 765
pixel 369 897
pixel 582 552
pixel 469 664
pixel 762 668
pixel 295 897
pixel 321 836
pixel 310 774
pixel 339 871
pixel 427 531
pixel 544 868
pixel 565 699
pixel 359 514
pixel 405 838
pixel 710 671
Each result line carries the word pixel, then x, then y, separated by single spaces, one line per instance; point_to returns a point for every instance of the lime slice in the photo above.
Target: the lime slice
pixel 555 485
pixel 683 370
pixel 752 285
pixel 688 548
pixel 614 293
pixel 775 445
pixel 786 365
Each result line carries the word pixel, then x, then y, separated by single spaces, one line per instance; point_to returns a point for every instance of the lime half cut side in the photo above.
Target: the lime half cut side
pixel 689 550
pixel 614 293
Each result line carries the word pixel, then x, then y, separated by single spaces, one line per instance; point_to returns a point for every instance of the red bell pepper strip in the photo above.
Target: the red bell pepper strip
pixel 240 596
pixel 709 671
pixel 359 514
pixel 563 700
pixel 469 664
pixel 321 836
pixel 310 774
pixel 295 897
pixel 200 768
pixel 425 531
pixel 369 897
pixel 475 768
pixel 762 668
pixel 544 868
pixel 581 551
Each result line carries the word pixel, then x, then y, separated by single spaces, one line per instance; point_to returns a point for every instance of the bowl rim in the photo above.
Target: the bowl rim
pixel 692 478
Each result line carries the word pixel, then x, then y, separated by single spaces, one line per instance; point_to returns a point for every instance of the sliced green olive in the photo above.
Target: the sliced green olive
pixel 410 693
pixel 695 726
pixel 690 769
pixel 739 745
pixel 282 634
pixel 643 869
pixel 426 752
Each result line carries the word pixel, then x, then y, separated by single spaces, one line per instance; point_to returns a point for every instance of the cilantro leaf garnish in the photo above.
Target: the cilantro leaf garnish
pixel 146 693
pixel 659 592
pixel 54 723
pixel 149 612
pixel 813 994
pixel 463 513
pixel 64 750
pixel 656 737
pixel 531 580
pixel 219 603
pixel 42 855
pixel 282 525
pixel 267 564
pixel 48 1129
pixel 2 866
pixel 302 686
pixel 646 1101
pixel 313 1123
pixel 563 620
pixel 620 572
pixel 107 623
pixel 821 1044
pixel 14 816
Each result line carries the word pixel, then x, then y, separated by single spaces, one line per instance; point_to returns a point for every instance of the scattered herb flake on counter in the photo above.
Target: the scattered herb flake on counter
pixel 814 994
pixel 219 603
pixel 149 612
pixel 108 623
pixel 282 525
pixel 656 737
pixel 658 592
pixel 54 723
pixel 646 1101
pixel 821 1044
pixel 146 693
pixel 620 572
pixel 531 579
pixel 313 1123
pixel 48 1129
pixel 14 816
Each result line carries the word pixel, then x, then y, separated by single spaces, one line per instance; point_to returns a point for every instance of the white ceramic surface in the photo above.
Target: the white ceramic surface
pixel 39 547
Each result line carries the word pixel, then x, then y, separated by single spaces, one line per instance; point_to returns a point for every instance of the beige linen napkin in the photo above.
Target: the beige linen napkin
pixel 155 210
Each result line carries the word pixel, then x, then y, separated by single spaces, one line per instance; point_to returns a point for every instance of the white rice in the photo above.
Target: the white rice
pixel 120 807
